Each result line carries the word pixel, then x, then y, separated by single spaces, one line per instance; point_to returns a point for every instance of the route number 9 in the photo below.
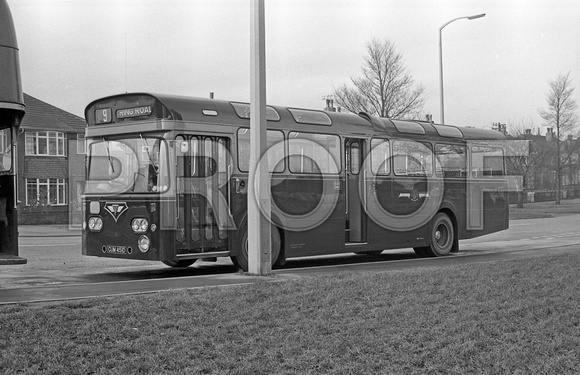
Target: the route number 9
pixel 103 116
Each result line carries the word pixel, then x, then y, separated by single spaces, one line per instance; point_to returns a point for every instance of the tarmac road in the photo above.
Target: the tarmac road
pixel 56 270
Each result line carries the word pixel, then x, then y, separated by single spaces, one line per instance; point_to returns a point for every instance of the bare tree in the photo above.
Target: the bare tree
pixel 562 117
pixel 385 89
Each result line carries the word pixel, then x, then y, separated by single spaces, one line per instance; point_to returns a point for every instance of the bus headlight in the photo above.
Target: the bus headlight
pixel 139 225
pixel 95 224
pixel 144 243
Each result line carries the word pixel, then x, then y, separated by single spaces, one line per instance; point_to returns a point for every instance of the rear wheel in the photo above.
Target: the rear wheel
pixel 441 236
pixel 179 263
pixel 241 260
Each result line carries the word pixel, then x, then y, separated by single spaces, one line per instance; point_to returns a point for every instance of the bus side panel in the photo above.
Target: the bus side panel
pixel 492 212
pixel 167 229
pixel 312 213
pixel 401 198
pixel 495 213
pixel 326 238
pixel 455 199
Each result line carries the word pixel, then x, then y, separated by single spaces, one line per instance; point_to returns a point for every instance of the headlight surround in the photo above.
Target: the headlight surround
pixel 95 224
pixel 139 225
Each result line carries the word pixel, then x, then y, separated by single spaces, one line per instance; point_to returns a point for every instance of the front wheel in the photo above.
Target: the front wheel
pixel 441 237
pixel 241 260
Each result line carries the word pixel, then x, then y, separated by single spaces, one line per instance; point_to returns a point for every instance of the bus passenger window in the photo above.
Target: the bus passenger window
pixel 276 163
pixel 314 153
pixel 452 160
pixel 487 161
pixel 380 157
pixel 412 158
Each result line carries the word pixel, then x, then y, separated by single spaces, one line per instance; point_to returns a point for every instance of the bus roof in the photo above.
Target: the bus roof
pixel 128 108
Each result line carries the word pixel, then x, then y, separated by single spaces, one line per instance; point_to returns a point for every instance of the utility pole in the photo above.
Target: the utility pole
pixel 441 60
pixel 259 246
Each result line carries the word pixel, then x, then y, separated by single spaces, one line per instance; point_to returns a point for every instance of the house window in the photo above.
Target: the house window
pixel 46 143
pixel 81 144
pixel 45 191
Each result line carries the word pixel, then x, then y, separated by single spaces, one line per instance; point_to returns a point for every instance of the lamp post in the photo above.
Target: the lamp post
pixel 441 59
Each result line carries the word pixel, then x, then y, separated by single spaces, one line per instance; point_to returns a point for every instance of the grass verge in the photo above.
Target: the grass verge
pixel 545 209
pixel 519 316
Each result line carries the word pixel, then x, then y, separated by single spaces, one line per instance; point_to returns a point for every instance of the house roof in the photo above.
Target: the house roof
pixel 43 116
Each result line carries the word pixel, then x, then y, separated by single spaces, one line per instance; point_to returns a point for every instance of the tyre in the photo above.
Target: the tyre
pixel 441 236
pixel 179 263
pixel 241 260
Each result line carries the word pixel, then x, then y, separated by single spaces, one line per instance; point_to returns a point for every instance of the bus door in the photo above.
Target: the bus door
pixel 203 194
pixel 355 215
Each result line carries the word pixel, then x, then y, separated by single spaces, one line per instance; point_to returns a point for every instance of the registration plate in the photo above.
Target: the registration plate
pixel 111 249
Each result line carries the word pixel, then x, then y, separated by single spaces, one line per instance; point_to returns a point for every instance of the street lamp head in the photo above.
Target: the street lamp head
pixel 476 16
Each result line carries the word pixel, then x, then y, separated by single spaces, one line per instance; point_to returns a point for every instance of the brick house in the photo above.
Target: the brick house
pixel 51 165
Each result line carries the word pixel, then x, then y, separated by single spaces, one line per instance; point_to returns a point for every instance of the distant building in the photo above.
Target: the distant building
pixel 539 167
pixel 51 165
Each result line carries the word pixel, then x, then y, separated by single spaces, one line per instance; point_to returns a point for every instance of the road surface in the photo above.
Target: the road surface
pixel 56 270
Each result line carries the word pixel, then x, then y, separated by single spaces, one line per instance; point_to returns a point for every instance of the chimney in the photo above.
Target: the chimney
pixel 329 104
pixel 499 127
pixel 549 134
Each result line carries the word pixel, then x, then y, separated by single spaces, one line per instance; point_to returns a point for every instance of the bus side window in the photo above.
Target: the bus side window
pixel 412 158
pixel 487 161
pixel 380 157
pixel 276 163
pixel 452 160
pixel 307 150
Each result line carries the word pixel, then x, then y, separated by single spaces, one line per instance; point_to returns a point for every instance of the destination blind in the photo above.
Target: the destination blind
pixel 104 115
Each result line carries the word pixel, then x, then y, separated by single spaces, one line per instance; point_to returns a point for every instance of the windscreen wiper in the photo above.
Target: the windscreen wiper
pixel 109 155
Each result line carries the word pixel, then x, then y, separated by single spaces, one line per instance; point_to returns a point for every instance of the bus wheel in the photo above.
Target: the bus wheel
pixel 441 236
pixel 179 263
pixel 241 260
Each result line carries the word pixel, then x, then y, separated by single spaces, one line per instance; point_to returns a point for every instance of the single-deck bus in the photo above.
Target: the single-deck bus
pixel 167 180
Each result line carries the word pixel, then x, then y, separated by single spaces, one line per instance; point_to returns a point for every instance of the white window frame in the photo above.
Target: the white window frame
pixel 61 191
pixel 34 138
pixel 81 144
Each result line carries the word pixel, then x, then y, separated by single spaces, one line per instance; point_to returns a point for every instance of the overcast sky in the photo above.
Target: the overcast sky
pixel 496 68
